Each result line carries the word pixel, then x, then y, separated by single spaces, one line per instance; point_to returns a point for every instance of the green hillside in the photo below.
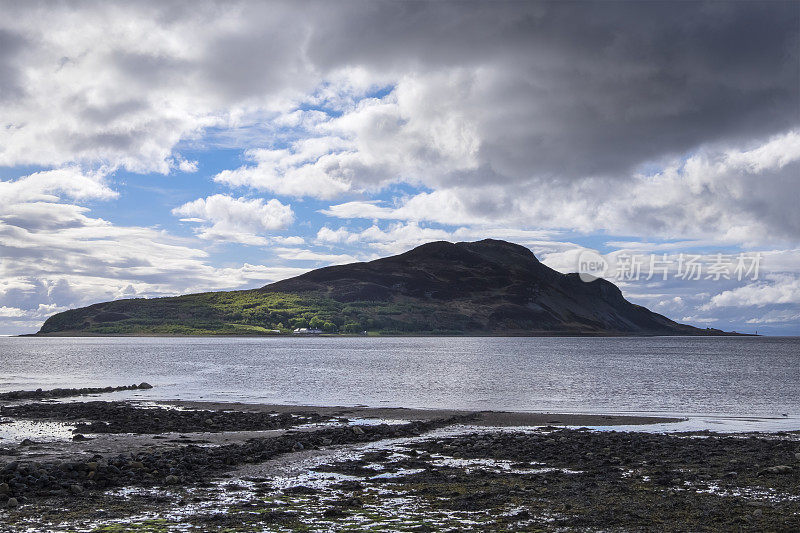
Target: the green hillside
pixel 252 312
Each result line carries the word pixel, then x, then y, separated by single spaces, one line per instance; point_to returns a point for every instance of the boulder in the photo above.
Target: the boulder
pixel 779 469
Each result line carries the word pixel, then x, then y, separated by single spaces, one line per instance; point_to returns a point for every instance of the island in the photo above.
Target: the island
pixel 488 287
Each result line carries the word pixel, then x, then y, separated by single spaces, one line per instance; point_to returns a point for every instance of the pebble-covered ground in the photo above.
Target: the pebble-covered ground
pixel 313 473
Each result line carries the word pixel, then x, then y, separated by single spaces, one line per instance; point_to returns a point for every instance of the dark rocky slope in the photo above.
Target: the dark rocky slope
pixel 497 284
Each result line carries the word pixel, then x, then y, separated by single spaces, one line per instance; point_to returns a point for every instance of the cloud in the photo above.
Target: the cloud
pixel 535 115
pixel 310 255
pixel 236 219
pixel 400 237
pixel 720 194
pixel 187 166
pixel 551 90
pixel 11 312
pixel 779 290
pixel 650 120
pixel 55 255
pixel 449 206
pixel 47 185
pixel 278 171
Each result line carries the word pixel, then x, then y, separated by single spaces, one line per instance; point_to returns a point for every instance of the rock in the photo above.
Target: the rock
pixel 75 489
pixel 300 489
pixel 27 442
pixel 11 503
pixel 779 469
pixel 334 512
pixel 797 456
pixel 172 480
pixel 298 446
pixel 521 515
pixel 4 488
pixel 758 513
pixel 79 437
pixel 357 430
pixel 145 385
pixel 756 503
pixel 350 502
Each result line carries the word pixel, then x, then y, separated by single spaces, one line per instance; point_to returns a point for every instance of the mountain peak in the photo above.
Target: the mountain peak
pixel 492 250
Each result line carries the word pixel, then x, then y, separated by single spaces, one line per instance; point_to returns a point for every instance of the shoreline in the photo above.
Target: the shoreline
pixel 555 334
pixel 488 418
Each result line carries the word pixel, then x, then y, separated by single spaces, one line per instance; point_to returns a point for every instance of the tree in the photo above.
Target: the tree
pixel 316 323
pixel 351 327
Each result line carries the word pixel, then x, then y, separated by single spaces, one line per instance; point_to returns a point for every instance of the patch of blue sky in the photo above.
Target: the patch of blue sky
pixel 11 173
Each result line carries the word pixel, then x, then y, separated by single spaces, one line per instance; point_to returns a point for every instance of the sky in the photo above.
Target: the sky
pixel 158 148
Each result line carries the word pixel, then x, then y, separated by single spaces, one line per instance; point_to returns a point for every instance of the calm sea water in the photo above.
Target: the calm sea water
pixel 724 377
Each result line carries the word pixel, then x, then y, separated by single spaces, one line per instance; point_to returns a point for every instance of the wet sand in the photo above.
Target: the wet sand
pixel 480 418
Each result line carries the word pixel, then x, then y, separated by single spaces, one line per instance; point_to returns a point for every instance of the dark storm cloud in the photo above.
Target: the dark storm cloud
pixel 563 89
pixel 595 87
pixel 11 44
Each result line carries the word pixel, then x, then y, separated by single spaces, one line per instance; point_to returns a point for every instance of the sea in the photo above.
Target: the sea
pixel 718 383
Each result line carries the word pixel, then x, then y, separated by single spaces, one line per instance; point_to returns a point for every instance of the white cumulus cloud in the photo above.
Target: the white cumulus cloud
pixel 237 219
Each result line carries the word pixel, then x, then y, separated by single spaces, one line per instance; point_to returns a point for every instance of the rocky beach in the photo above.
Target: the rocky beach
pixel 104 465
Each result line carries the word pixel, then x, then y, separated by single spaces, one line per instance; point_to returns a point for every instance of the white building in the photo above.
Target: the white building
pixel 307 331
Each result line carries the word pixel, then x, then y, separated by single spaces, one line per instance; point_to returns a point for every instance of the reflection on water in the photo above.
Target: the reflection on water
pixel 14 432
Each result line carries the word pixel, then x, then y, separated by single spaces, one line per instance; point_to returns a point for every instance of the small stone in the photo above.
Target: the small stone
pixel 779 469
pixel 11 503
pixel 208 422
pixel 521 515
pixel 26 442
pixel 756 503
pixel 76 489
pixel 758 513
pixel 797 456
pixel 298 446
pixel 4 488
pixel 357 430
pixel 136 464
pixel 92 465
pixel 334 512
pixel 171 480
pixel 79 437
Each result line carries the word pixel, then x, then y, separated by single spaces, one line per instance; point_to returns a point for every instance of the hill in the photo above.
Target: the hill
pixel 485 287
